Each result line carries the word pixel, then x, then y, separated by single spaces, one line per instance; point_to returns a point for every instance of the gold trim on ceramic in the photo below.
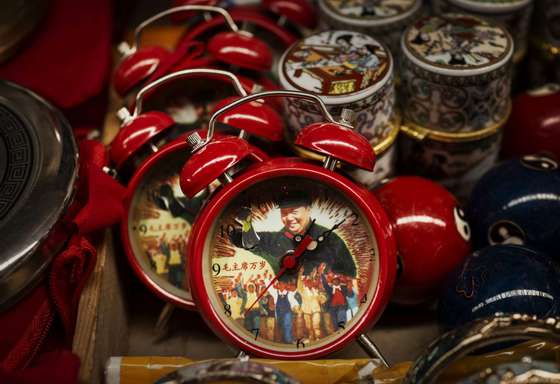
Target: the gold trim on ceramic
pixel 420 133
pixel 378 148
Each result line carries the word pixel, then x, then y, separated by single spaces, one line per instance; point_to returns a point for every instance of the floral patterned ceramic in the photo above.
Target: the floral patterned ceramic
pixel 383 19
pixel 347 70
pixel 514 14
pixel 455 73
pixel 454 160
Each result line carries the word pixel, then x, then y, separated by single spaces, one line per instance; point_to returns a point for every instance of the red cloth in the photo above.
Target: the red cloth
pixel 56 367
pixel 99 196
pixel 68 59
pixel 28 325
pixel 30 349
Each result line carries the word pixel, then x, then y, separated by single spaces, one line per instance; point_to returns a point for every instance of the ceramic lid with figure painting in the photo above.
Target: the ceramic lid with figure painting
pixel 457 45
pixel 339 66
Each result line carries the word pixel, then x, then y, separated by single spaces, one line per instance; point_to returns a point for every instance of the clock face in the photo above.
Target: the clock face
pixel 290 265
pixel 159 224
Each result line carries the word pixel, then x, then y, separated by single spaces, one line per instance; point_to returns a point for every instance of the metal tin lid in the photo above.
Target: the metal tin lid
pixel 491 6
pixel 457 45
pixel 369 13
pixel 340 66
pixel 38 169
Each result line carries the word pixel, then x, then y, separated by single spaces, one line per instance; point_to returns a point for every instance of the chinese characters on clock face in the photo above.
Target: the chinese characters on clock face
pixel 292 263
pixel 160 222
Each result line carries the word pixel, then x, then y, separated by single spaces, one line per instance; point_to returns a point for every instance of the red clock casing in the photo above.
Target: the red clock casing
pixel 175 149
pixel 293 167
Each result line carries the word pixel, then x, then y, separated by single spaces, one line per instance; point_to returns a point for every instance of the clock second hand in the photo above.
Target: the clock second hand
pixel 288 262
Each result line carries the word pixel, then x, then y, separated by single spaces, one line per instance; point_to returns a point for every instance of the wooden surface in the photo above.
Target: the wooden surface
pixel 102 322
pixel 401 334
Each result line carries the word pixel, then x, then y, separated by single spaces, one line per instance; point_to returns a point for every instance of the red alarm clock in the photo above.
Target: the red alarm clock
pixel 236 47
pixel 275 35
pixel 260 24
pixel 158 216
pixel 432 234
pixel 299 13
pixel 142 133
pixel 157 223
pixel 288 259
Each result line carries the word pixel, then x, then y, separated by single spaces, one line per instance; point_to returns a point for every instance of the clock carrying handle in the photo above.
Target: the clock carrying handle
pixel 183 8
pixel 197 143
pixel 459 342
pixel 181 74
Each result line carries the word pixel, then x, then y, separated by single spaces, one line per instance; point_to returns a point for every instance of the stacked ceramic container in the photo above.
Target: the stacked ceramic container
pixel 385 19
pixel 347 70
pixel 514 14
pixel 455 97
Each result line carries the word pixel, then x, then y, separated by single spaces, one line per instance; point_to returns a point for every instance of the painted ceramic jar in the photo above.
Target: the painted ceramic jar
pixel 386 159
pixel 457 161
pixel 514 14
pixel 347 70
pixel 455 73
pixel 385 19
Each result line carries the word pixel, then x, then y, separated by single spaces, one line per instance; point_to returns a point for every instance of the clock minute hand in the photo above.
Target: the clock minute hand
pixel 280 273
pixel 326 234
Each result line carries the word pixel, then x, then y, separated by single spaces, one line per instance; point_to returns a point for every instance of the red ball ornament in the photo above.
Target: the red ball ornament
pixel 432 235
pixel 534 125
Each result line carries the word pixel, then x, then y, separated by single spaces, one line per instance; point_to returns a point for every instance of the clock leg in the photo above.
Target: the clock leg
pixel 241 355
pixel 371 349
pixel 161 327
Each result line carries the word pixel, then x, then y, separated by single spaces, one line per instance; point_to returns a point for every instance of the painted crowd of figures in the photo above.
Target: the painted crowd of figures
pixel 167 259
pixel 307 308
